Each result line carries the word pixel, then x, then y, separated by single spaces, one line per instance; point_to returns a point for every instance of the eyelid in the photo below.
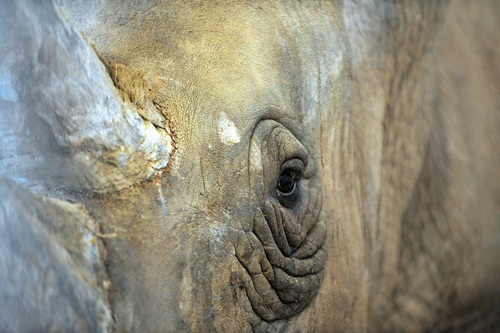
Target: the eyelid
pixel 289 147
pixel 295 164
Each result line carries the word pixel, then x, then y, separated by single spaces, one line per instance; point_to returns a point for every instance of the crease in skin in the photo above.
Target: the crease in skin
pixel 314 236
pixel 310 215
pixel 313 241
pixel 295 290
pixel 275 219
pixel 292 229
pixel 294 266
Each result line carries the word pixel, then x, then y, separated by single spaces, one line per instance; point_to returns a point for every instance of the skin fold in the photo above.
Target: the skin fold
pixel 319 166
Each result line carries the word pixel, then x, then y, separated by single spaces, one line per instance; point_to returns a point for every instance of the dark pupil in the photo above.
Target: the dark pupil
pixel 286 182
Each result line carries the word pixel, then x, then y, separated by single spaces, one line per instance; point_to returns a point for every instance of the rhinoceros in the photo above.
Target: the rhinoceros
pixel 249 166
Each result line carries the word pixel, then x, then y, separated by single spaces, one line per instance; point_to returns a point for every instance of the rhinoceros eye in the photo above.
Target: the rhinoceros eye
pixel 287 182
pixel 287 188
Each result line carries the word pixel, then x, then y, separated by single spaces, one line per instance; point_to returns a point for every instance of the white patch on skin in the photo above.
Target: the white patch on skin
pixel 228 132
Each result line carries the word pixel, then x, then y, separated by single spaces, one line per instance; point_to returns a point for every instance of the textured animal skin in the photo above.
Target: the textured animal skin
pixel 249 166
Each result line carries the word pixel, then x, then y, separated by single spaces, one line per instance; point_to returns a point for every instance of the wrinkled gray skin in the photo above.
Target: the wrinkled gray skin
pixel 143 181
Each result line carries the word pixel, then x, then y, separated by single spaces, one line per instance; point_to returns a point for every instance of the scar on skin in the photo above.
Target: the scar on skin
pixel 228 132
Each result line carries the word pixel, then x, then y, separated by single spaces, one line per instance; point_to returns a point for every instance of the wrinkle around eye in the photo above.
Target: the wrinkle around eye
pixel 311 261
pixel 282 251
pixel 310 215
pixel 274 220
pixel 292 228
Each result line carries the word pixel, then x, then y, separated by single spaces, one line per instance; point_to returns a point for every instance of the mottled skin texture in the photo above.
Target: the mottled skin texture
pixel 388 110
